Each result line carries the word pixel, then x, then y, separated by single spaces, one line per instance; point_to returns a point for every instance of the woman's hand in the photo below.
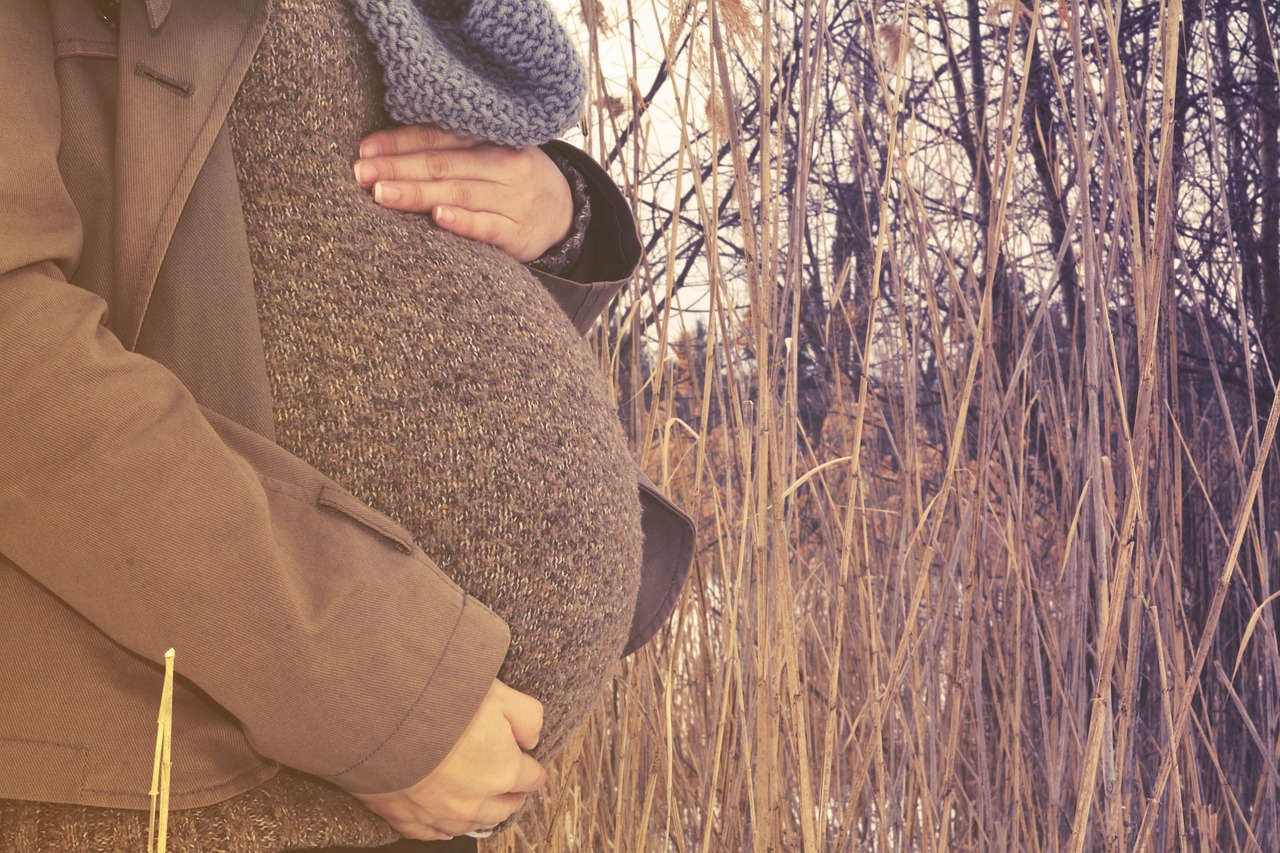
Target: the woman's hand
pixel 481 782
pixel 515 199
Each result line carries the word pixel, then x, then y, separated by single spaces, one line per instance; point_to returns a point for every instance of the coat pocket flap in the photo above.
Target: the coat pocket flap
pixel 335 499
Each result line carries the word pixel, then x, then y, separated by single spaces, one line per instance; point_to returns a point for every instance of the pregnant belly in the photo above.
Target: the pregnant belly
pixel 453 395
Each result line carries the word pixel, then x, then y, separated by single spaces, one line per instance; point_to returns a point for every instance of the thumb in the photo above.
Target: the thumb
pixel 524 713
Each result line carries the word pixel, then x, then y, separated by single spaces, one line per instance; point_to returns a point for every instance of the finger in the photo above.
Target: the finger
pixel 419 831
pixel 496 230
pixel 414 137
pixel 530 776
pixel 426 196
pixel 477 163
pixel 496 810
pixel 525 715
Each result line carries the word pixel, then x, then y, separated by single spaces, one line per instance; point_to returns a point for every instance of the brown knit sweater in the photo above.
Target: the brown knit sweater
pixel 287 812
pixel 436 380
pixel 433 376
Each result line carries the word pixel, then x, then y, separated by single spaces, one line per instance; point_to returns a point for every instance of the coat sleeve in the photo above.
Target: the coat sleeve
pixel 610 250
pixel 336 643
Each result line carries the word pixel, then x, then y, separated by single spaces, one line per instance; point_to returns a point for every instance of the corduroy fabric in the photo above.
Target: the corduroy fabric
pixel 431 375
pixel 503 70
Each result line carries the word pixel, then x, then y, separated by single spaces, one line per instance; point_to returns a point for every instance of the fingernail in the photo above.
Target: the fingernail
pixel 444 215
pixel 366 174
pixel 370 149
pixel 384 193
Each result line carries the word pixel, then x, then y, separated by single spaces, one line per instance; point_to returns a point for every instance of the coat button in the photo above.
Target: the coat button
pixel 109 11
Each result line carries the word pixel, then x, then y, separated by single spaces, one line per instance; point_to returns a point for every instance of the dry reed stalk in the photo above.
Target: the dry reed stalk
pixel 162 768
pixel 965 616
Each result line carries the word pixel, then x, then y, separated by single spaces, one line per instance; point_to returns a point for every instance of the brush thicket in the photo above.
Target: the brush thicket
pixel 980 566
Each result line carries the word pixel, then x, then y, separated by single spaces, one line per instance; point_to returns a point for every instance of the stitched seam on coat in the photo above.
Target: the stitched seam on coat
pixel 371 524
pixel 153 246
pixel 287 490
pixel 188 791
pixel 417 700
pixel 332 499
pixel 5 739
pixel 83 750
pixel 66 48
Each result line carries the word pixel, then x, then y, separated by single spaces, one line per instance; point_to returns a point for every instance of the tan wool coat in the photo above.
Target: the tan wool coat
pixel 143 502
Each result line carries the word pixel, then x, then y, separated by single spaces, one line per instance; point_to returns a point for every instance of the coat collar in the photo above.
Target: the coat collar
pixel 157 11
pixel 177 83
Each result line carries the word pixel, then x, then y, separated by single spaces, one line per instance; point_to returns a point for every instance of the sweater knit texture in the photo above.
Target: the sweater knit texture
pixel 287 812
pixel 431 375
pixel 503 70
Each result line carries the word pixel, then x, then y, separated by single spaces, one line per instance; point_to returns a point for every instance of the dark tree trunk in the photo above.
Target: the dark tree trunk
pixel 1266 313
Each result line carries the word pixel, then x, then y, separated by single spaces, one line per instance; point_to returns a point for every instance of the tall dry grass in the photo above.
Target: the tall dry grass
pixel 963 617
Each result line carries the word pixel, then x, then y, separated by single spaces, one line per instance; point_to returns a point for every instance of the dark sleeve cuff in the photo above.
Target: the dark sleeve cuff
pixel 562 257
pixel 610 251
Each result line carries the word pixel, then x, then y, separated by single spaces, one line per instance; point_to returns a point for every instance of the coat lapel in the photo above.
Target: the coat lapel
pixel 181 63
pixel 157 11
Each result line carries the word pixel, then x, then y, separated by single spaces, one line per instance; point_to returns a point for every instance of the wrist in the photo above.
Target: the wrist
pixel 566 252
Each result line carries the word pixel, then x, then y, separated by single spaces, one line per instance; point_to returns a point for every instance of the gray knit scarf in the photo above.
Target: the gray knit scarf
pixel 503 70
